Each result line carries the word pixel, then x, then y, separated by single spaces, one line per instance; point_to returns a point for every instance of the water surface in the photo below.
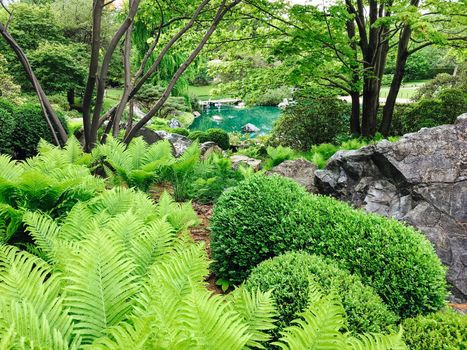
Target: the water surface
pixel 232 119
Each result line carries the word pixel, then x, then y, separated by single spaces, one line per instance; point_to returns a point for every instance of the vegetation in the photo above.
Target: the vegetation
pixel 292 277
pixel 266 216
pixel 219 136
pixel 445 330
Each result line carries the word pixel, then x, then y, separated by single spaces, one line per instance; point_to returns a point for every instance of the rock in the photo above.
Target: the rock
pixel 179 142
pixel 209 147
pixel 299 170
pixel 196 114
pixel 174 123
pixel 248 128
pixel 244 160
pixel 421 179
pixel 217 118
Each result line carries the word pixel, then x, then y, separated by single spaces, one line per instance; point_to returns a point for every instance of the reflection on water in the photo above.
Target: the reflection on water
pixel 232 119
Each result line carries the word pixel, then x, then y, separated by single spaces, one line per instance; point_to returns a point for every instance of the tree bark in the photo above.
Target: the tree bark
pixel 56 128
pixel 218 17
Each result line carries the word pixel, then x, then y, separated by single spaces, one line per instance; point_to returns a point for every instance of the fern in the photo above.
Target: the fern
pixel 322 326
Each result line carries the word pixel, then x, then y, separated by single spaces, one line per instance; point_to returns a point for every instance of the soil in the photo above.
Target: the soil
pixel 201 233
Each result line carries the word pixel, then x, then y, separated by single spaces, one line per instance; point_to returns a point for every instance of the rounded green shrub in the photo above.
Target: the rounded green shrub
pixel 7 126
pixel 219 136
pixel 292 276
pixel 443 330
pixel 180 131
pixel 265 216
pixel 30 128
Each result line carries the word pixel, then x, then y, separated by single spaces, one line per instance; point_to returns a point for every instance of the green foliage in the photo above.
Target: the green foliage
pixel 59 67
pixel 117 275
pixel 272 97
pixel 266 216
pixel 321 326
pixel 52 182
pixel 149 94
pixel 429 112
pixel 29 127
pixel 137 165
pixel 444 330
pixel 293 276
pixel 7 126
pixel 180 131
pixel 277 155
pixel 219 136
pixel 311 121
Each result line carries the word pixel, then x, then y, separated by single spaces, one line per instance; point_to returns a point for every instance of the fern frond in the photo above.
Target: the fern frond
pixel 257 311
pixel 30 298
pixel 99 286
pixel 377 342
pixel 9 170
pixel 180 216
pixel 318 328
pixel 44 232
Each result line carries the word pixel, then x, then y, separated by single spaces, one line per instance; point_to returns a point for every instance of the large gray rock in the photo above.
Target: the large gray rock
pixel 179 142
pixel 240 159
pixel 250 128
pixel 421 179
pixel 299 170
pixel 174 123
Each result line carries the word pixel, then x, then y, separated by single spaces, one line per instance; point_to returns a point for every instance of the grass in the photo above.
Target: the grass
pixel 407 90
pixel 205 92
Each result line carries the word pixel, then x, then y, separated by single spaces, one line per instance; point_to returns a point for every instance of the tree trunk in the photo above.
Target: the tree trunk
pixel 402 56
pixel 370 104
pixel 355 116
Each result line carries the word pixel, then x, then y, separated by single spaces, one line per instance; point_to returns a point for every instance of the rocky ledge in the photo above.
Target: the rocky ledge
pixel 421 179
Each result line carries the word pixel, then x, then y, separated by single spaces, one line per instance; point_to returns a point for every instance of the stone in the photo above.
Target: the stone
pixel 209 147
pixel 421 179
pixel 240 159
pixel 196 114
pixel 174 123
pixel 299 170
pixel 178 142
pixel 249 128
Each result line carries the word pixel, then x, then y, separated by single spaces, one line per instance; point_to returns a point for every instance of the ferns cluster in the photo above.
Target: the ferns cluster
pixel 51 182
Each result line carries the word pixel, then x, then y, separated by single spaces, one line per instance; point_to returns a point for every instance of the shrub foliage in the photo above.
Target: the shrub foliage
pixel 265 216
pixel 292 276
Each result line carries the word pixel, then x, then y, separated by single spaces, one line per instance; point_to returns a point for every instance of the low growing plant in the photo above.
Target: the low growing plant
pixel 266 216
pixel 292 276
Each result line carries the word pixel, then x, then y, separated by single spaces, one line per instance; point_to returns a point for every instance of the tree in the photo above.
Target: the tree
pixel 92 109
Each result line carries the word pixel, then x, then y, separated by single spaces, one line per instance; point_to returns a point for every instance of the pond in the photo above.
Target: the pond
pixel 232 119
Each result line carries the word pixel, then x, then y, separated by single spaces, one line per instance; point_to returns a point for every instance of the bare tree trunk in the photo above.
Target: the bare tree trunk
pixel 56 128
pixel 98 6
pixel 402 55
pixel 219 15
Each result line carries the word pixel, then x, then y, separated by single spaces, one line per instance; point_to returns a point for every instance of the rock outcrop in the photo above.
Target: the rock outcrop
pixel 179 142
pixel 240 159
pixel 421 179
pixel 299 170
pixel 250 128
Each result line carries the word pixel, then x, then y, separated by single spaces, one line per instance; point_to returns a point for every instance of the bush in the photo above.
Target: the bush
pixel 180 131
pixel 30 128
pixel 444 330
pixel 293 275
pixel 311 121
pixel 277 155
pixel 273 97
pixel 219 136
pixel 265 216
pixel 7 126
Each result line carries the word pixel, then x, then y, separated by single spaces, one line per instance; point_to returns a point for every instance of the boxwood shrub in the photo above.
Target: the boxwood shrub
pixel 265 216
pixel 7 126
pixel 291 277
pixel 218 136
pixel 443 330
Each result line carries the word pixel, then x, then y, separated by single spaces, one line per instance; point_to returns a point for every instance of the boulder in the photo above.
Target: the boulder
pixel 196 114
pixel 421 179
pixel 249 128
pixel 244 160
pixel 209 147
pixel 174 123
pixel 299 170
pixel 179 142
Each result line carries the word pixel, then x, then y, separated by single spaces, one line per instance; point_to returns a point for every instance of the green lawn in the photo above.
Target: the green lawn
pixel 407 91
pixel 205 92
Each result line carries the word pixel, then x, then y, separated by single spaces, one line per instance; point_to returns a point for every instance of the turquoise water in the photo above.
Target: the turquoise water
pixel 233 119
